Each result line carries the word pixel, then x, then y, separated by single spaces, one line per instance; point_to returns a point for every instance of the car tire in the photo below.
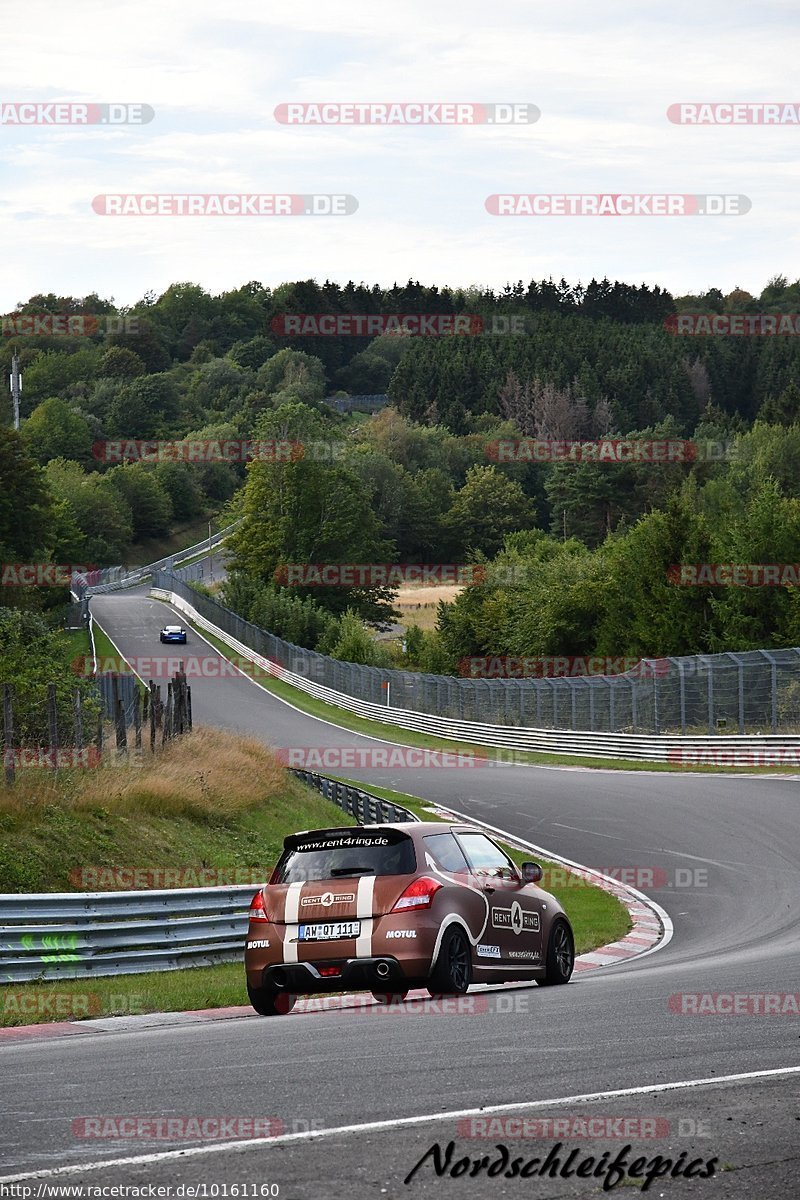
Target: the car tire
pixel 452 971
pixel 268 1002
pixel 389 997
pixel 560 959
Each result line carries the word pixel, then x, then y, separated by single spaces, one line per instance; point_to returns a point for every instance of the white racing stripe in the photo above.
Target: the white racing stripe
pixel 393 1123
pixel 290 917
pixel 364 896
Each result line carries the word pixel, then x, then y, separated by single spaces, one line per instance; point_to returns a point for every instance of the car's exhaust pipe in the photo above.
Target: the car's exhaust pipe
pixel 279 978
pixel 382 970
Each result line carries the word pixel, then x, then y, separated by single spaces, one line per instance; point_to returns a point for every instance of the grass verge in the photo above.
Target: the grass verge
pixel 209 800
pixel 597 918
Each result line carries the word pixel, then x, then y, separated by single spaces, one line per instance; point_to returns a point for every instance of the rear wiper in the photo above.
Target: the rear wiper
pixel 353 871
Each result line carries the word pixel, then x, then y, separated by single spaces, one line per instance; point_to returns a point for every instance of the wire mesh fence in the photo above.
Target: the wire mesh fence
pixel 756 691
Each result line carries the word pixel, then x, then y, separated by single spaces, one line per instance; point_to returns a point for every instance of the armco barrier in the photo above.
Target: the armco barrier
pixel 366 808
pixel 654 747
pixel 115 579
pixel 77 935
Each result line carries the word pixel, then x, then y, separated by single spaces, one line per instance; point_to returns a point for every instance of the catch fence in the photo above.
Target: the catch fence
pixel 753 692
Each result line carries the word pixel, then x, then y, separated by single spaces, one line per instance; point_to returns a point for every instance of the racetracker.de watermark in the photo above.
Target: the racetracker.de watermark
pixel 372 325
pixel 735 756
pixel 738 112
pixel 405 112
pixel 601 450
pixel 611 451
pixel 193 666
pixel 138 879
pixel 64 112
pixel 639 876
pixel 615 204
pixel 177 1128
pixel 46 324
pixel 598 1127
pixel 56 575
pixel 52 758
pixel 513 666
pixel 370 575
pixel 235 450
pixel 224 204
pixel 475 1005
pixel 733 324
pixel 319 758
pixel 735 1004
pixel 744 575
pixel 63 1005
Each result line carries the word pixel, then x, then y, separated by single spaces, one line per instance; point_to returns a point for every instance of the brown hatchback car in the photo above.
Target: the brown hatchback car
pixel 387 908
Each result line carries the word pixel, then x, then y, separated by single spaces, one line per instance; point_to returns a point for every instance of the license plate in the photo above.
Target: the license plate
pixel 329 931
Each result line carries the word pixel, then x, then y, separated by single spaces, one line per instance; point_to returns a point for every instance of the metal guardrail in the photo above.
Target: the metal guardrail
pixel 78 935
pixel 113 579
pixel 756 691
pixel 69 935
pixel 366 808
pixel 660 747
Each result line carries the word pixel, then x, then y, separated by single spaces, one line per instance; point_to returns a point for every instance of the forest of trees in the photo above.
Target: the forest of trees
pixel 418 481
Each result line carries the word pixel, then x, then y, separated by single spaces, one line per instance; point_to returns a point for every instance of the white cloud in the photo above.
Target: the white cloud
pixel 603 77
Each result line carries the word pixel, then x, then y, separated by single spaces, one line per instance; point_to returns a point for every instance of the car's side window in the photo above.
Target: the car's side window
pixel 485 858
pixel 446 852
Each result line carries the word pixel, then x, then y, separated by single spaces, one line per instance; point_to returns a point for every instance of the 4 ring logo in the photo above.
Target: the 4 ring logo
pixel 515 918
pixel 328 898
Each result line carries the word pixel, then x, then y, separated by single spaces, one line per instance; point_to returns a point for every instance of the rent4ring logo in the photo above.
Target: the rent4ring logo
pixel 515 918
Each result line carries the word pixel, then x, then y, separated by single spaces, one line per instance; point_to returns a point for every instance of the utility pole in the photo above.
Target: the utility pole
pixel 16 386
pixel 210 557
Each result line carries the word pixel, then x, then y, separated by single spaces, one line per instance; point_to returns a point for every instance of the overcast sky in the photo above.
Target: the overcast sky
pixel 603 76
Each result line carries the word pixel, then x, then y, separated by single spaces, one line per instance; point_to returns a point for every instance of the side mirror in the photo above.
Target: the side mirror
pixel 531 872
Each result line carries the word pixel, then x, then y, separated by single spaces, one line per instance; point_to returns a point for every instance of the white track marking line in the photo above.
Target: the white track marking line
pixel 611 836
pixel 119 652
pixel 395 1122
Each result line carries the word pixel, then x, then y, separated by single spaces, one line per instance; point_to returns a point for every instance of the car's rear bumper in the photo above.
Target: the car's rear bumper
pixel 377 972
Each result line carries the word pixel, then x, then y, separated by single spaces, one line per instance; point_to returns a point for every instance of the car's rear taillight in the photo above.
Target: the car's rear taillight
pixel 258 909
pixel 418 894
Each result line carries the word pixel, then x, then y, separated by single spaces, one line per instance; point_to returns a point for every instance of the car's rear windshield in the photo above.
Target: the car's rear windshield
pixel 348 855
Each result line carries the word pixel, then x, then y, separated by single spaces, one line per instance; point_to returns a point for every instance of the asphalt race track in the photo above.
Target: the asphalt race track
pixel 381 1088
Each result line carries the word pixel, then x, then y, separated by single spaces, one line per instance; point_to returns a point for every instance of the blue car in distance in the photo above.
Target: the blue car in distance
pixel 173 633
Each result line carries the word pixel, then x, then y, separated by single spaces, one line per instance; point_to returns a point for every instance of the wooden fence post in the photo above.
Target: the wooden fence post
pixel 77 702
pixel 52 722
pixel 8 734
pixel 137 718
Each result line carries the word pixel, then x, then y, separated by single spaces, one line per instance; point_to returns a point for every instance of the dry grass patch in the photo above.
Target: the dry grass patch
pixel 205 773
pixel 209 799
pixel 418 605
